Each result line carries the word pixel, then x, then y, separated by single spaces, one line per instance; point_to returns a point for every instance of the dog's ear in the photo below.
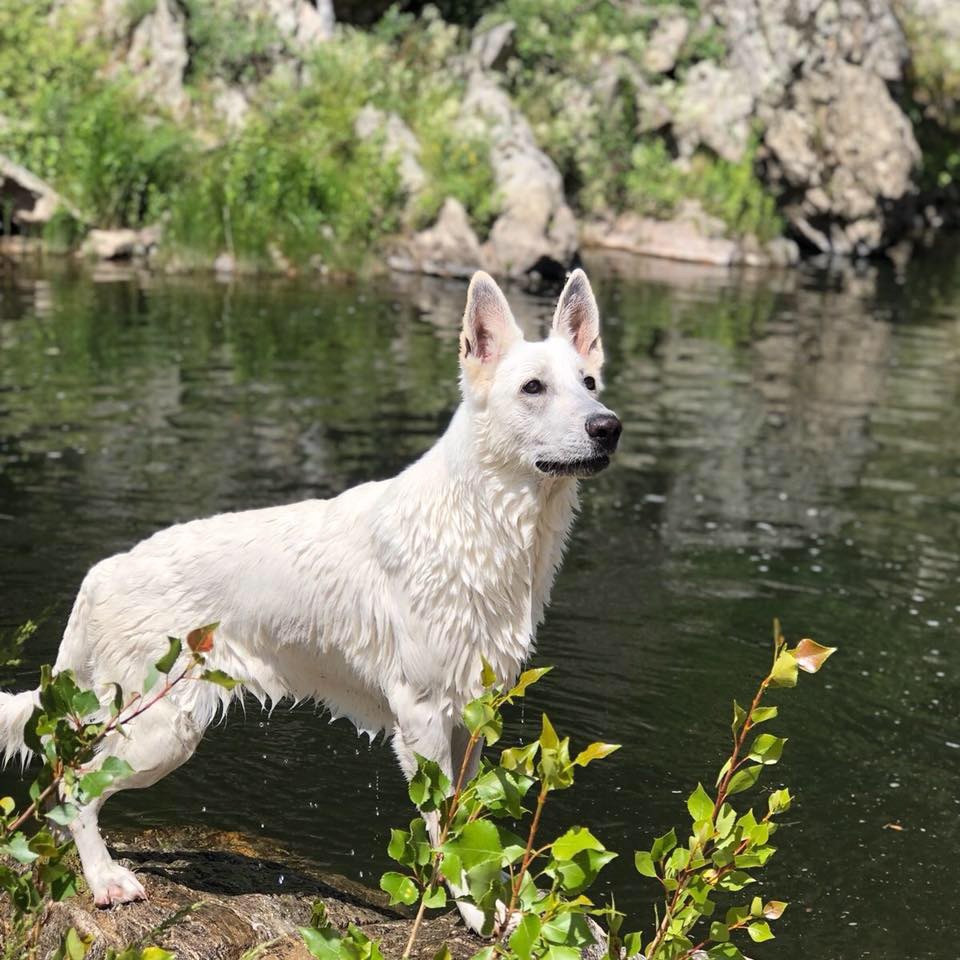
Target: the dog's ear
pixel 488 325
pixel 578 319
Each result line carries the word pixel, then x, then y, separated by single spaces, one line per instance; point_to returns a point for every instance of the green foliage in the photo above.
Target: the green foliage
pixel 538 891
pixel 655 185
pixel 724 844
pixel 67 731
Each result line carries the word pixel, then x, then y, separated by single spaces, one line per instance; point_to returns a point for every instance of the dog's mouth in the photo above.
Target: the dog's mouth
pixel 574 468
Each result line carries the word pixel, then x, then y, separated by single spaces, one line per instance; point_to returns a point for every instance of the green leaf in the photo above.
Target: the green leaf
pixel 400 887
pixel 719 932
pixel 596 751
pixel 744 779
pixel 663 845
pixel 784 673
pixel 487 953
pixel 150 680
pixel 525 936
pixel 324 944
pixel 573 841
pixel 811 656
pixel 166 662
pixel 487 677
pixel 568 930
pixel 399 848
pixel 739 715
pixel 548 737
pixel 762 714
pixel 726 816
pixel 62 814
pixel 18 847
pixel 94 783
pixel 779 801
pixel 724 951
pixel 527 679
pixel 220 678
pixel 84 703
pixel 644 863
pixel 760 931
pixel 435 897
pixel 735 880
pixel 767 749
pixel 443 954
pixel 429 786
pixel 700 805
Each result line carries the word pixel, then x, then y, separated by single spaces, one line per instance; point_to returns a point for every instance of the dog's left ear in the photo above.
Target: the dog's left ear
pixel 578 319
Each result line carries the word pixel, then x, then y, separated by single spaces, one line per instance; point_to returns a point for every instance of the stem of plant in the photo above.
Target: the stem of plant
pixel 445 829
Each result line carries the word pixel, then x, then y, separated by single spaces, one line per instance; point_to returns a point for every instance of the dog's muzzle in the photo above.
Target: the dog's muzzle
pixel 604 429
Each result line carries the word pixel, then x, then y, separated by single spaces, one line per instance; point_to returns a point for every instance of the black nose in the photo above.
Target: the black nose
pixel 605 429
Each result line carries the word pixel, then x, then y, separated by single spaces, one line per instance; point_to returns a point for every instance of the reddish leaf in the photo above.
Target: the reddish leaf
pixel 811 656
pixel 201 639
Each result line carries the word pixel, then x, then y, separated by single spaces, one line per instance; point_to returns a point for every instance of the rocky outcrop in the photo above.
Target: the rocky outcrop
pixel 158 56
pixel 690 235
pixel 449 248
pixel 122 244
pixel 535 224
pixel 399 144
pixel 28 201
pixel 815 76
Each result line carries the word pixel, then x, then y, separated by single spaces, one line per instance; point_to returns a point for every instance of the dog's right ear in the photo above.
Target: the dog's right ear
pixel 488 325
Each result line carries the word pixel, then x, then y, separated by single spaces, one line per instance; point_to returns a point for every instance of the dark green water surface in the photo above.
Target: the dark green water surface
pixel 791 448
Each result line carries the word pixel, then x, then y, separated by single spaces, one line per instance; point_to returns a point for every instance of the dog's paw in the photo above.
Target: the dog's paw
pixel 115 884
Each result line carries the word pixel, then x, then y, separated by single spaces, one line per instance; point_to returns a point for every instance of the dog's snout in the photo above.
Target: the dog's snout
pixel 605 429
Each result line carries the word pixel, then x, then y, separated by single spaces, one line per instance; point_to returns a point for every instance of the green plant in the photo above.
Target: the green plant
pixel 66 731
pixel 725 845
pixel 534 895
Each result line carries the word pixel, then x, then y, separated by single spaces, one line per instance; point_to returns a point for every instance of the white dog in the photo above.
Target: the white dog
pixel 380 602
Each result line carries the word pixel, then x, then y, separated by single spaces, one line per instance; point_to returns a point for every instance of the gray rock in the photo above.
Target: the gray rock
pixel 29 201
pixel 665 44
pixel 490 48
pixel 449 248
pixel 691 235
pixel 713 109
pixel 158 56
pixel 121 244
pixel 843 156
pixel 399 143
pixel 535 223
pixel 230 103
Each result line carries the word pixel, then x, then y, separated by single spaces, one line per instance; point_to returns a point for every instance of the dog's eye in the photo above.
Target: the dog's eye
pixel 533 386
pixel 590 383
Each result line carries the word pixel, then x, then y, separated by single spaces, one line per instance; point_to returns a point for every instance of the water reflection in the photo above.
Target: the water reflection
pixel 790 450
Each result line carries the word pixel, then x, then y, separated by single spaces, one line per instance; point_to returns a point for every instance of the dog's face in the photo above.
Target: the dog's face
pixel 538 403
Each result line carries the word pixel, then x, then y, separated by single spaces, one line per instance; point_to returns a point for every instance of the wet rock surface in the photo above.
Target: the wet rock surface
pixel 215 895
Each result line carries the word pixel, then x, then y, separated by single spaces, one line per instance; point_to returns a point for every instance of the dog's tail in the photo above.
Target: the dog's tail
pixel 15 712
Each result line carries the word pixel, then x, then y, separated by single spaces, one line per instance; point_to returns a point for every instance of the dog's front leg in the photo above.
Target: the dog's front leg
pixel 425 731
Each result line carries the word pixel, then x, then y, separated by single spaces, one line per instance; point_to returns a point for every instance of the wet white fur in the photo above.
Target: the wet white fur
pixel 378 603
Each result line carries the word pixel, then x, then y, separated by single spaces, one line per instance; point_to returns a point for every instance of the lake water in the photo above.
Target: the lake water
pixel 791 449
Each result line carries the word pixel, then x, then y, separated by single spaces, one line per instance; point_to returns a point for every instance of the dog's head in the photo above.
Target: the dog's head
pixel 538 403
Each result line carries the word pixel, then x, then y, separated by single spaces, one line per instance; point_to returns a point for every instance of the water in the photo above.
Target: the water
pixel 791 449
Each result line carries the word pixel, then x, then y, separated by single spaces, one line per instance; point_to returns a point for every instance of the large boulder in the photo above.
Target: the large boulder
pixel 843 156
pixel 158 55
pixel 815 74
pixel 535 227
pixel 449 248
pixel 29 201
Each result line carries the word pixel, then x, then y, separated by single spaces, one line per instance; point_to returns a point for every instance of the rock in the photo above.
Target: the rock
pixel 158 56
pixel 303 22
pixel 713 109
pixel 230 103
pixel 843 157
pixel 449 248
pixel 120 244
pixel 691 236
pixel 234 893
pixel 665 44
pixel 535 224
pixel 836 145
pixel 491 47
pixel 29 201
pixel 225 264
pixel 399 142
